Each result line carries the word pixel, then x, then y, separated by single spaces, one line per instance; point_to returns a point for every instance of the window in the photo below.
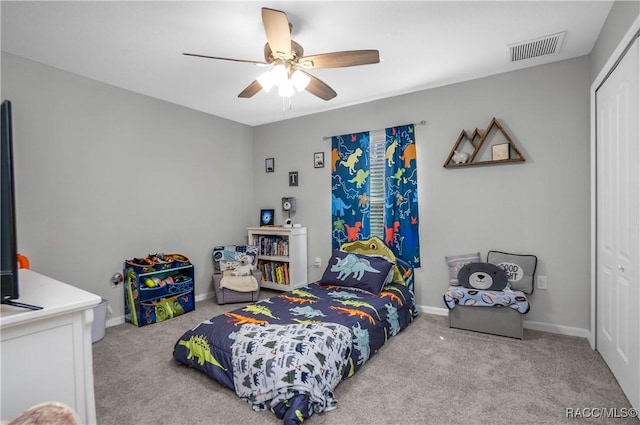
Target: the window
pixel 376 183
pixel 374 190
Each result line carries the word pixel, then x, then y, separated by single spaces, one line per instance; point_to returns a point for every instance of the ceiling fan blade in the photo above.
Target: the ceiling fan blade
pixel 340 59
pixel 276 26
pixel 251 89
pixel 319 88
pixel 226 59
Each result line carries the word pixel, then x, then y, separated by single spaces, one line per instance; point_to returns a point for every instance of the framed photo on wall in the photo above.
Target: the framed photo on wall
pixel 269 166
pixel 293 178
pixel 318 160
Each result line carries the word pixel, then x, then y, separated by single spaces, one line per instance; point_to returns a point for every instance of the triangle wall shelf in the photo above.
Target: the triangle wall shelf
pixel 502 153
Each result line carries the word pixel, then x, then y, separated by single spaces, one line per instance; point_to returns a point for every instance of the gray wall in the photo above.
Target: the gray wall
pixel 537 207
pixel 103 175
pixel 621 16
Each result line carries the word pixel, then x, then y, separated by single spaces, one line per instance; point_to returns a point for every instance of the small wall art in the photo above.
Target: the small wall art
pixel 269 166
pixel 318 160
pixel 293 178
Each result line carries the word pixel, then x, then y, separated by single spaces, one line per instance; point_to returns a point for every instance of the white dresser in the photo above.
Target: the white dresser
pixel 46 354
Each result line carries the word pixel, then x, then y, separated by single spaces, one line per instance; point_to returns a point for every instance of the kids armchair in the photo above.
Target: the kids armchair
pixel 236 277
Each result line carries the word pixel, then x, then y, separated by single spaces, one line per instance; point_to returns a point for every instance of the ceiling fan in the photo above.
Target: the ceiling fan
pixel 288 64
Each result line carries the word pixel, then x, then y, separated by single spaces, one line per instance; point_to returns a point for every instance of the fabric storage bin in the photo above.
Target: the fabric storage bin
pixel 153 293
pixel 179 260
pixel 166 308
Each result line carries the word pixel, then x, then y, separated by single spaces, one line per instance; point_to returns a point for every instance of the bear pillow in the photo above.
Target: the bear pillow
pixel 483 276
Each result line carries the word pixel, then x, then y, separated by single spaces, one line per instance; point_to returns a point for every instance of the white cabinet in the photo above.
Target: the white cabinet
pixel 47 354
pixel 282 256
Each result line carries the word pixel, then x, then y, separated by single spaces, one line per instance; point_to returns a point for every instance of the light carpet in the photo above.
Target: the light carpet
pixel 427 374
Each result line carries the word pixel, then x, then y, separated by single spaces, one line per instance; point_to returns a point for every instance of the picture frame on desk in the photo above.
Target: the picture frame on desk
pixel 266 217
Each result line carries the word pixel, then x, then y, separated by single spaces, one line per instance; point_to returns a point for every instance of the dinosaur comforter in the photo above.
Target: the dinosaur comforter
pixel 225 346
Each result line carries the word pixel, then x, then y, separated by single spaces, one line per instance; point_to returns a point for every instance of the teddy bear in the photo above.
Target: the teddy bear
pixel 483 276
pixel 245 267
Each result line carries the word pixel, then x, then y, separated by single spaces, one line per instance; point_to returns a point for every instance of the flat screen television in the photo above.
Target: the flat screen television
pixel 9 285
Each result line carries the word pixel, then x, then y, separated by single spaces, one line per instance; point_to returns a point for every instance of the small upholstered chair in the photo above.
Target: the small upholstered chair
pixel 235 289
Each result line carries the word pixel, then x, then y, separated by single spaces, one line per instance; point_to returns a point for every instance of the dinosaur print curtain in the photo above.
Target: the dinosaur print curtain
pixel 351 207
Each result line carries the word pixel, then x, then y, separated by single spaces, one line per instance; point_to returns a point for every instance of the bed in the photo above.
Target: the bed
pixel 287 353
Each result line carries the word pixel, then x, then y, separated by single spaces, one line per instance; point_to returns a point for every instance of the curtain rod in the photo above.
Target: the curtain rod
pixel 423 122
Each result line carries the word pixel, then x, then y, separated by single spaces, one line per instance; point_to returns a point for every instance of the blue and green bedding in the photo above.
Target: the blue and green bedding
pixel 287 353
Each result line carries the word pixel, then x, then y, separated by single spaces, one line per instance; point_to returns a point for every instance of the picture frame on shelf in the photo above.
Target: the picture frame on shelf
pixel 269 165
pixel 500 152
pixel 293 178
pixel 318 160
pixel 267 217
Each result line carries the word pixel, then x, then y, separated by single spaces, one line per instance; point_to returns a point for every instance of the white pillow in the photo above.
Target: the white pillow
pixel 456 262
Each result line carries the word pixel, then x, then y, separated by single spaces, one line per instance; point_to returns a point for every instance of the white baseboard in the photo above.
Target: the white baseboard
pixel 205 296
pixel 556 329
pixel 528 324
pixel 436 311
pixel 115 321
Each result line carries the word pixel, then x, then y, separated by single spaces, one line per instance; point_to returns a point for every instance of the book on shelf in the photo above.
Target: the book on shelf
pixel 275 272
pixel 274 246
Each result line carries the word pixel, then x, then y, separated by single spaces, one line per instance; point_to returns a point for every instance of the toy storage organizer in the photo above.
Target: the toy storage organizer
pixel 159 291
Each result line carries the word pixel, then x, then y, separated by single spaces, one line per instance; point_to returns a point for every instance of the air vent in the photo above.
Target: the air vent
pixel 543 46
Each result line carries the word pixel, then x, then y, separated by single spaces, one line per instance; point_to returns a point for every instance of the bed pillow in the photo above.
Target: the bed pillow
pixel 366 272
pixel 456 262
pixel 375 246
pixel 520 269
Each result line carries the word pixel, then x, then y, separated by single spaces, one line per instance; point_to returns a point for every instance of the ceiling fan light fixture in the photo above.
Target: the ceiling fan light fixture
pixel 286 89
pixel 280 74
pixel 287 63
pixel 266 80
pixel 300 80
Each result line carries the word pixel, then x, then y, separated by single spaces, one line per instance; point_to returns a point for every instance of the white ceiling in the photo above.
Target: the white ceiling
pixel 137 45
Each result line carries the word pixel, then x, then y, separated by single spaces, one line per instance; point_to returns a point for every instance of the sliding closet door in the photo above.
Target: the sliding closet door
pixel 618 223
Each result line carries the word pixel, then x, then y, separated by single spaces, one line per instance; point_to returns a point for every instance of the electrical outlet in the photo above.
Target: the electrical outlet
pixel 317 262
pixel 542 282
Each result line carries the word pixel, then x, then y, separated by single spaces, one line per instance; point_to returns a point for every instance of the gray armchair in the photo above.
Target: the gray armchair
pixel 224 258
